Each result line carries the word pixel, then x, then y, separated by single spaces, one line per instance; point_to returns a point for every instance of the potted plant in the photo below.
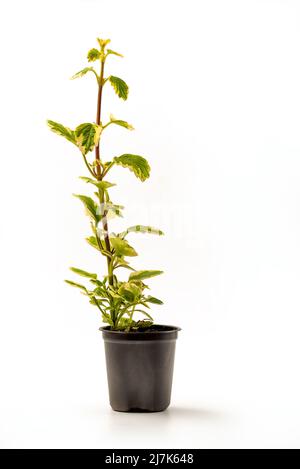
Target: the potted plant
pixel 139 353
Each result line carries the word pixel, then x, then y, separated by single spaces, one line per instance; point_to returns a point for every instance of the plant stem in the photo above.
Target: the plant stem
pixel 99 175
pixel 107 169
pixel 88 166
pixel 131 316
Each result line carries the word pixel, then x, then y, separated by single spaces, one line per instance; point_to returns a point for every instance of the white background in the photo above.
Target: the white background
pixel 215 100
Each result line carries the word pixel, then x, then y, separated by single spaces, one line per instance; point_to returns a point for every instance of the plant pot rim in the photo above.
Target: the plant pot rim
pixel 166 333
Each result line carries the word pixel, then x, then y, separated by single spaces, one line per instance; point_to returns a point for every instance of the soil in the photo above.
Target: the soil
pixel 153 328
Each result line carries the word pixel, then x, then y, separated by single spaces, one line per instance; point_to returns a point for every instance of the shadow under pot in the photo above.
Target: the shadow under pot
pixel 140 368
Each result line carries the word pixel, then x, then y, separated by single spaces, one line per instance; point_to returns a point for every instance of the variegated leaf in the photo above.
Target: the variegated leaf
pixel 61 130
pixel 122 248
pixel 87 136
pixel 91 207
pixel 142 229
pixel 103 42
pixel 120 122
pixel 83 273
pixel 109 51
pixel 136 163
pixel 143 274
pixel 153 300
pixel 76 285
pixel 93 55
pixel 130 291
pixel 92 241
pixel 100 184
pixel 83 72
pixel 120 87
pixel 111 209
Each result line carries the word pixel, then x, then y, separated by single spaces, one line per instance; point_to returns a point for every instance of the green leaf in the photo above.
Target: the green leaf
pixel 120 122
pixel 93 55
pixel 109 51
pixel 142 229
pixel 120 87
pixel 76 285
pixel 122 263
pixel 143 274
pixel 87 136
pixel 122 248
pixel 97 282
pixel 91 207
pixel 155 301
pixel 92 241
pixel 61 130
pixel 83 72
pixel 99 291
pixel 138 164
pixel 83 273
pixel 100 184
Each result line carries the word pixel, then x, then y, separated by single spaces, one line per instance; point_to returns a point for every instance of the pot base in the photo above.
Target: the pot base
pixel 139 411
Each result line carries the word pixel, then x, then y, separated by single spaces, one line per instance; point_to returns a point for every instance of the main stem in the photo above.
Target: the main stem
pixel 98 120
pixel 99 176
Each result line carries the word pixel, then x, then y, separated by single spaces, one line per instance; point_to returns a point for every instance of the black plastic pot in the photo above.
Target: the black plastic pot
pixel 140 368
